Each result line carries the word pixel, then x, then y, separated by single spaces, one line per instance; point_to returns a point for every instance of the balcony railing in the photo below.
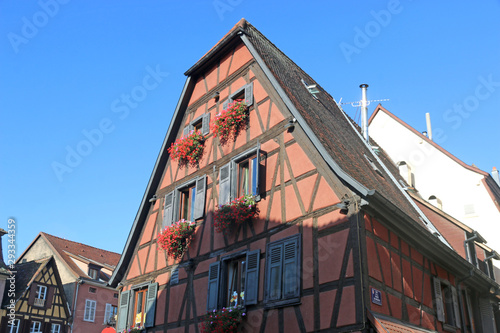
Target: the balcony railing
pixel 39 302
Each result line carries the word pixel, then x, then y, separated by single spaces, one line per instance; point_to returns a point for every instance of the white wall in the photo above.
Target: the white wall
pixel 440 175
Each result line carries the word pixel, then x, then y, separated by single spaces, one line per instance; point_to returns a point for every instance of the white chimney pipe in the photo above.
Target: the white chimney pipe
pixel 429 128
pixel 496 177
pixel 364 112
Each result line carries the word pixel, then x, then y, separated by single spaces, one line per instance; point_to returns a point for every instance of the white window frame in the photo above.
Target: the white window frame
pixel 90 308
pixel 53 328
pixel 14 328
pixel 41 290
pixel 33 327
pixel 108 314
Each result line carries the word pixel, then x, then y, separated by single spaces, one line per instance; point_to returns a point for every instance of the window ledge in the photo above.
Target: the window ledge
pixel 449 328
pixel 282 303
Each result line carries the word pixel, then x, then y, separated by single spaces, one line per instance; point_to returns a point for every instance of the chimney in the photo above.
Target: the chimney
pixel 494 174
pixel 429 128
pixel 364 112
pixel 2 263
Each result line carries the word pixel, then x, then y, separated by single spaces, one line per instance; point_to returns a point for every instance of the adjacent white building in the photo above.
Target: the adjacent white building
pixel 462 191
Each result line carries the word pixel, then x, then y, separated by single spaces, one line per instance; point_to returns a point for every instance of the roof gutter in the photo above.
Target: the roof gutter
pixel 296 114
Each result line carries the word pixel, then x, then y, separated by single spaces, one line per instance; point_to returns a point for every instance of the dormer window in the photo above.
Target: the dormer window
pixel 436 202
pixel 406 173
pixel 93 272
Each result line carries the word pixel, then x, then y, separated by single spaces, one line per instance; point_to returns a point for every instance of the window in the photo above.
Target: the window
pixel 13 326
pixel 35 327
pixel 55 328
pixel 435 201
pixel 234 280
pixel 41 293
pixel 142 298
pixel 241 176
pixel 470 248
pixel 283 271
pixel 446 303
pixel 90 306
pixel 92 290
pixel 406 173
pixel 109 315
pixel 185 202
pixel 94 271
pixel 245 92
pixel 115 295
pixel 186 205
pixel 202 123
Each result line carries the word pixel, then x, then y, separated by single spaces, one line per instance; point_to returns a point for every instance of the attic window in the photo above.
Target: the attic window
pixel 201 123
pixel 245 92
pixel 92 290
pixel 312 88
pixel 435 201
pixel 374 167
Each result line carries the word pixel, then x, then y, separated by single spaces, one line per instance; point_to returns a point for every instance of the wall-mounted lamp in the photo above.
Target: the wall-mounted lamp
pixel 153 199
pixel 343 206
pixel 216 96
pixel 290 125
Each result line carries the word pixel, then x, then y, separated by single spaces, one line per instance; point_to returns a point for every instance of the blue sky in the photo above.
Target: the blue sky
pixel 68 69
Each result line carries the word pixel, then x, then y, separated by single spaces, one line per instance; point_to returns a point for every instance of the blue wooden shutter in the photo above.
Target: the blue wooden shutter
pixel 252 277
pixel 456 307
pixel 225 104
pixel 168 209
pixel 225 184
pixel 205 125
pixel 249 94
pixel 151 304
pixel 121 323
pixel 213 286
pixel 199 199
pixel 256 175
pixel 438 296
pixel 174 278
pixel 291 273
pixel 274 271
pixel 185 132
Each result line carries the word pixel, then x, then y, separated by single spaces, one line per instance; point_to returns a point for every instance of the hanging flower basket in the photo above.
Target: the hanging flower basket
pixel 188 149
pixel 230 121
pixel 175 239
pixel 236 212
pixel 224 320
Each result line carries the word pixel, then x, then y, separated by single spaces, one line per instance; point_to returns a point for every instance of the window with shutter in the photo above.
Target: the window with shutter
pixel 199 203
pixel 123 311
pixel 13 326
pixel 201 123
pixel 245 92
pixel 282 281
pixel 438 299
pixel 240 177
pixel 187 201
pixel 252 277
pixel 174 279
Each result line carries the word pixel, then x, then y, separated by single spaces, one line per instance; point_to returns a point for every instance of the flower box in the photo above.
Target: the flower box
pixel 236 212
pixel 175 239
pixel 230 121
pixel 225 320
pixel 188 149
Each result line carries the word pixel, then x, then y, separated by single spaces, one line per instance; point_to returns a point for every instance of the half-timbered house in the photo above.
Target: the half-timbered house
pixel 85 271
pixel 36 302
pixel 337 246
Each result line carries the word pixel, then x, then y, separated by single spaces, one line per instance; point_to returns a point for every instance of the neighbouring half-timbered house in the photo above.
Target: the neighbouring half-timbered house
pixel 337 244
pixel 36 302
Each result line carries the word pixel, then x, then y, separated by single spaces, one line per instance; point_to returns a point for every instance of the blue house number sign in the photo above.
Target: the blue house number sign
pixel 376 297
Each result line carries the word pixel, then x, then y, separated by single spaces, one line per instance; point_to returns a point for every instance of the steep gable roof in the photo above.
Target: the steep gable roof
pixel 334 134
pixel 25 275
pixel 65 249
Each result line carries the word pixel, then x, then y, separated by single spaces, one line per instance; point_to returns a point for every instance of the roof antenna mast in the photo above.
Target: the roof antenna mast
pixel 363 103
pixel 364 112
